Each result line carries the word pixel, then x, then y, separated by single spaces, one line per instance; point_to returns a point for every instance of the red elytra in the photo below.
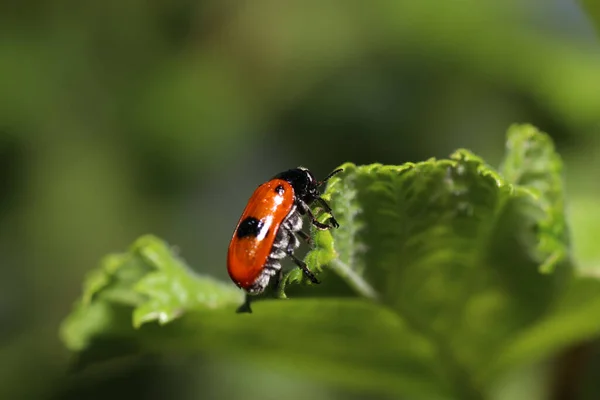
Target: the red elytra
pixel 256 230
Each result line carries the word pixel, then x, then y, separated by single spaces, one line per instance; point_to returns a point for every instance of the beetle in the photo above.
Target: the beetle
pixel 269 227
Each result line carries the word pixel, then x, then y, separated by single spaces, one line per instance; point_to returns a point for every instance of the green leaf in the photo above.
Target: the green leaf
pixel 531 162
pixel 454 247
pixel 173 289
pixel 443 256
pixel 161 288
pixel 352 343
pixel 151 280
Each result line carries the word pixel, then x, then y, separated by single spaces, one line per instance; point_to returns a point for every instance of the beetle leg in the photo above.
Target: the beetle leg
pixel 245 308
pixel 313 219
pixel 328 209
pixel 304 268
pixel 277 280
pixel 305 236
pixel 298 262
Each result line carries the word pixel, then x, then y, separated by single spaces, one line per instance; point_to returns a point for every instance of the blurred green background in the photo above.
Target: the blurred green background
pixel 122 118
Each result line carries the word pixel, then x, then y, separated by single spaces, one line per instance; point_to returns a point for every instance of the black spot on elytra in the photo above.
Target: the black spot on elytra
pixel 249 227
pixel 279 189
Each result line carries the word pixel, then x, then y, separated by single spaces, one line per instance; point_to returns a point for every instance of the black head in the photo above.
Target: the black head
pixel 306 187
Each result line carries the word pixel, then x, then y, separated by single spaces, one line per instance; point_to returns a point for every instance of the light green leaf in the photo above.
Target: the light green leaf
pixel 172 289
pixel 151 281
pixel 531 162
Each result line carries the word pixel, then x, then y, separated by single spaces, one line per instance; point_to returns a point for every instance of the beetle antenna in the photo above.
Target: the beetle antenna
pixel 337 171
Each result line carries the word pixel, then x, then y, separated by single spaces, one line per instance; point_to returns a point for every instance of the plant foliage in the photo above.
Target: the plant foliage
pixel 460 273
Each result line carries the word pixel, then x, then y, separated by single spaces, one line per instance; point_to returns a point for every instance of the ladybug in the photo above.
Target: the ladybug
pixel 269 227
